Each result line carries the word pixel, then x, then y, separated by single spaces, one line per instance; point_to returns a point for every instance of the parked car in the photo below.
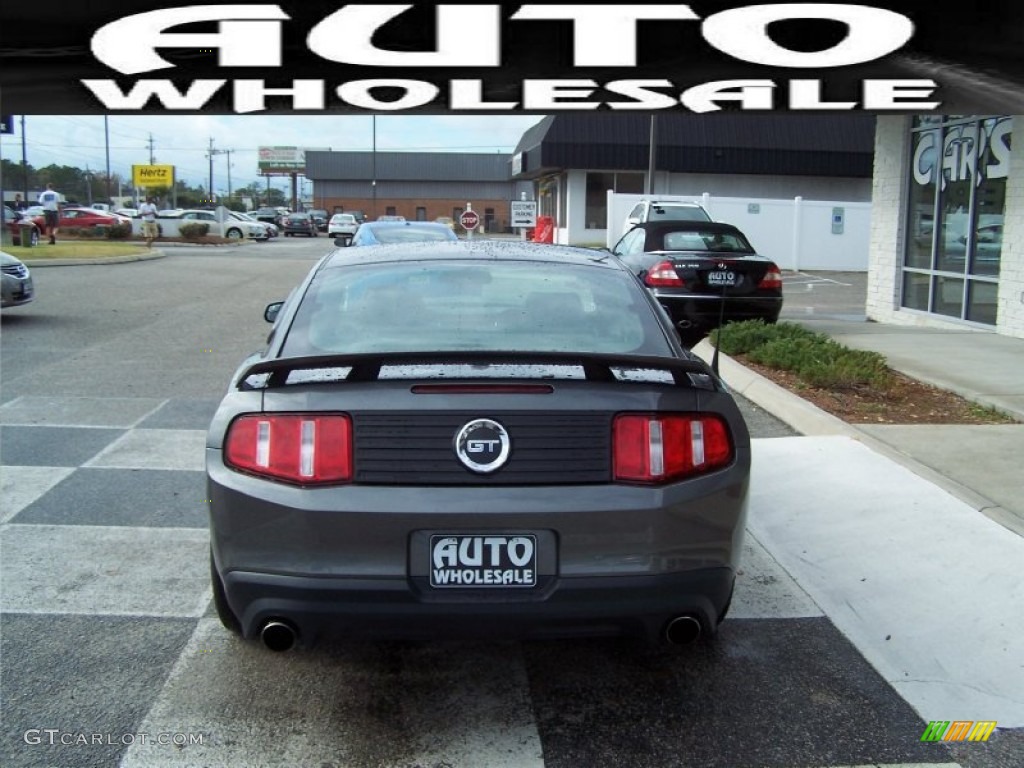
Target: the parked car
pixel 131 213
pixel 320 216
pixel 235 228
pixel 455 438
pixel 251 229
pixel 360 215
pixel 13 220
pixel 664 210
pixel 378 232
pixel 694 268
pixel 343 225
pixel 268 214
pixel 82 218
pixel 299 224
pixel 269 230
pixel 17 287
pixel 390 217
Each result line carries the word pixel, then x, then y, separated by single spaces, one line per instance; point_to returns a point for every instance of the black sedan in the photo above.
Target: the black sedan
pixel 703 273
pixel 474 438
pixel 299 224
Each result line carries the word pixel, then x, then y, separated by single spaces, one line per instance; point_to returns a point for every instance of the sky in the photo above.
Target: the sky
pixel 184 141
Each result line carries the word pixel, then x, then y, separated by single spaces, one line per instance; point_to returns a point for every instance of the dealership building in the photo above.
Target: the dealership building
pixel 941 190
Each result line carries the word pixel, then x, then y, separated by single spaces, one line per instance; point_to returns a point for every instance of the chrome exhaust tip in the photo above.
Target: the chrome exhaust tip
pixel 682 630
pixel 278 636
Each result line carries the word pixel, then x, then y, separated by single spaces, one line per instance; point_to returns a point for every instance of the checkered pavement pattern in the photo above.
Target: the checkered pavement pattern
pixel 112 654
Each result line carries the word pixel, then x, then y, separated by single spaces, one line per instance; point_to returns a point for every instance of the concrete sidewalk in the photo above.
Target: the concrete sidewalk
pixel 978 464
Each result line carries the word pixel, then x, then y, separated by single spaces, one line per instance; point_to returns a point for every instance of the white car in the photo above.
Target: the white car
pixel 342 225
pixel 268 230
pixel 17 282
pixel 234 228
pixel 664 210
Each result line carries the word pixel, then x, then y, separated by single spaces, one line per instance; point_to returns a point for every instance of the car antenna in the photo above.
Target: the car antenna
pixel 718 332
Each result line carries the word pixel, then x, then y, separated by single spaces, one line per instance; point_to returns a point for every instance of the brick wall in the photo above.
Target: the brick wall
pixel 1011 270
pixel 434 208
pixel 887 215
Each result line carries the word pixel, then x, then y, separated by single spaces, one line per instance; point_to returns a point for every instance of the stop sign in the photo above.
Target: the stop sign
pixel 469 220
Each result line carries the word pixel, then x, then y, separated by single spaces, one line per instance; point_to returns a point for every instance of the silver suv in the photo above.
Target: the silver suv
pixel 664 210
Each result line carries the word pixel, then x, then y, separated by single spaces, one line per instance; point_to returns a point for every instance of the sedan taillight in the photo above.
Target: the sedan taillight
pixel 772 279
pixel 659 448
pixel 304 448
pixel 663 275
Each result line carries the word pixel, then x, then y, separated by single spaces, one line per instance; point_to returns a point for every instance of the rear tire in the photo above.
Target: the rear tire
pixel 220 602
pixel 234 234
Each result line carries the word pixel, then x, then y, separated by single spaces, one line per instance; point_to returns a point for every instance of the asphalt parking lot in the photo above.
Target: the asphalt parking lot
pixel 838 652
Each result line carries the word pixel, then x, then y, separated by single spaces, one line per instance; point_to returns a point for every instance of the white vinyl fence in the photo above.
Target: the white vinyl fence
pixel 796 234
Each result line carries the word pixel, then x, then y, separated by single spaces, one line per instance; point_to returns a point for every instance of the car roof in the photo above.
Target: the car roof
pixel 478 250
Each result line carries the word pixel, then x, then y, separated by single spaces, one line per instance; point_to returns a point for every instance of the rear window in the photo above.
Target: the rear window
pixel 678 213
pixel 412 234
pixel 696 240
pixel 461 306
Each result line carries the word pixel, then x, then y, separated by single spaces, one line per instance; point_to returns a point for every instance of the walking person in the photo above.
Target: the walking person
pixel 149 229
pixel 50 200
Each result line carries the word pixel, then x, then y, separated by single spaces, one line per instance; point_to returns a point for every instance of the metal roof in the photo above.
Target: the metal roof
pixel 408 166
pixel 785 144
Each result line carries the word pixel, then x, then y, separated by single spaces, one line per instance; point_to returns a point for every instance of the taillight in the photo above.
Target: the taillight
pixel 304 448
pixel 660 448
pixel 663 275
pixel 772 279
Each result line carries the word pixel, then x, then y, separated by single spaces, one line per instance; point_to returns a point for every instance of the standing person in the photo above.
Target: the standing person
pixel 19 204
pixel 50 201
pixel 148 213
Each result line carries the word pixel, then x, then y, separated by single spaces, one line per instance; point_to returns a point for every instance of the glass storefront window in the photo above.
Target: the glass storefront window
pixel 955 215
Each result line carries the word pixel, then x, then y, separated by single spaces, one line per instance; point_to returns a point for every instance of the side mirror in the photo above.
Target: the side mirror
pixel 271 312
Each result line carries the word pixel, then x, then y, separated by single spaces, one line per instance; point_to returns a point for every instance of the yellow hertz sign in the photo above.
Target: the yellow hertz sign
pixel 153 175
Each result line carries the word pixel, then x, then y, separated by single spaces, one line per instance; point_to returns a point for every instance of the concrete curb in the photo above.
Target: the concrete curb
pixel 156 254
pixel 810 420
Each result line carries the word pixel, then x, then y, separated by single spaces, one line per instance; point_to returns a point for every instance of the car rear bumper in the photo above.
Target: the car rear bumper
pixel 634 606
pixel 700 311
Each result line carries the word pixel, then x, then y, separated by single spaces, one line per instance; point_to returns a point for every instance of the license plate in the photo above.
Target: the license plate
pixel 721 278
pixel 492 561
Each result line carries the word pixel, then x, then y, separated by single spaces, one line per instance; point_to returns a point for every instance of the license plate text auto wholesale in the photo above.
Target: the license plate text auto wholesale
pixel 483 561
pixel 721 278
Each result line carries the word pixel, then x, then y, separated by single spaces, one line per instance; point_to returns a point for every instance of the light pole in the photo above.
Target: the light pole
pixel 373 170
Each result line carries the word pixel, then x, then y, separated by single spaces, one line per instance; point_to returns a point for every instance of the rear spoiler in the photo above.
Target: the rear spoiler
pixel 270 374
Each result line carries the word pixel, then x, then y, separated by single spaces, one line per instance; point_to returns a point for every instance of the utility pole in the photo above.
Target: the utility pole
pixel 152 160
pixel 24 162
pixel 214 152
pixel 106 135
pixel 651 160
pixel 209 191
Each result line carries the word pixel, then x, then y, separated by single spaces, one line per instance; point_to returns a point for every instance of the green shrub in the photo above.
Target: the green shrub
pixel 816 359
pixel 193 230
pixel 119 232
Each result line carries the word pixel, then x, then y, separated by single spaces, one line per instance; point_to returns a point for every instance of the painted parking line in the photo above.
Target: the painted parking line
pixel 921 583
pixel 385 704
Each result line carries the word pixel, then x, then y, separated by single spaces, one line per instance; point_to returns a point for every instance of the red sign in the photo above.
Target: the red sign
pixel 469 220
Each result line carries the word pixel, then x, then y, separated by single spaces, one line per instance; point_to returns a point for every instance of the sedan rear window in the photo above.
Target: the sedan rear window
pixel 388 235
pixel 461 306
pixel 696 240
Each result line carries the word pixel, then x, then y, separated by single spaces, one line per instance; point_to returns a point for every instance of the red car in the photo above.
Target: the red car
pixel 12 221
pixel 89 217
